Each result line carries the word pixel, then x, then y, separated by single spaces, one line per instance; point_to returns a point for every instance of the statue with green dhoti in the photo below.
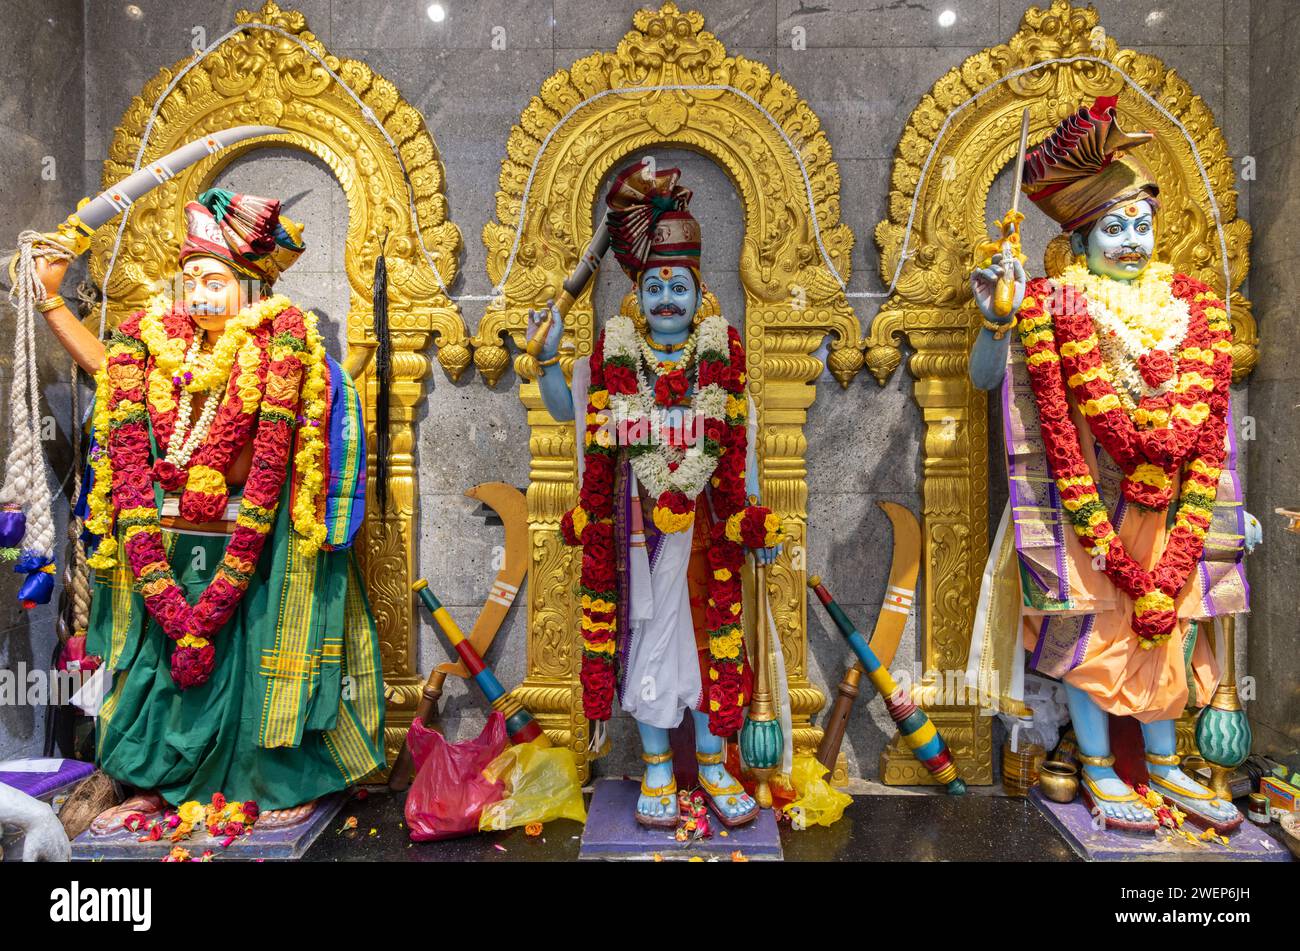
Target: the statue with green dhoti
pixel 228 485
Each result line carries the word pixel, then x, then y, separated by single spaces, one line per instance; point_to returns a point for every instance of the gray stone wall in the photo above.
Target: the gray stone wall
pixel 1275 453
pixel 41 115
pixel 865 69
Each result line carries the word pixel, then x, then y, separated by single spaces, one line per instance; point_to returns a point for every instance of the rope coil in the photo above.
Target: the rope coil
pixel 26 506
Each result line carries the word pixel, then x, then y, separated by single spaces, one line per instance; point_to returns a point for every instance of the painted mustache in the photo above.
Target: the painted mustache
pixel 1125 255
pixel 668 310
pixel 206 310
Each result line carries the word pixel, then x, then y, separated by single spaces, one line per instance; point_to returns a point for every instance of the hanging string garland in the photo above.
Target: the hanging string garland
pixel 26 524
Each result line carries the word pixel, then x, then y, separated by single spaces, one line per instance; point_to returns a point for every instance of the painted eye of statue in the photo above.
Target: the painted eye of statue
pixel 679 288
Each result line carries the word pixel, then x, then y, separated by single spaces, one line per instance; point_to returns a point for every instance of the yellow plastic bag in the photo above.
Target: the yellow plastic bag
pixel 540 785
pixel 818 803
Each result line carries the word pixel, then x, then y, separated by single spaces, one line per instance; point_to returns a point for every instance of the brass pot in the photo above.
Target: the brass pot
pixel 1059 781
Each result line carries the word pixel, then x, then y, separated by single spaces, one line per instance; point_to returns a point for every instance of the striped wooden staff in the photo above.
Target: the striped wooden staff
pixel 520 725
pixel 914 726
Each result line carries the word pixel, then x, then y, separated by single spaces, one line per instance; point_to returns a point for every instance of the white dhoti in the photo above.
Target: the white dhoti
pixel 662 677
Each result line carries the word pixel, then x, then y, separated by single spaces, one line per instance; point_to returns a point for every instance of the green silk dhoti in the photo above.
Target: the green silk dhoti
pixel 294 707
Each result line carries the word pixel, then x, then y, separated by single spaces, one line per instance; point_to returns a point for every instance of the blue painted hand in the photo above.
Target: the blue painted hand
pixel 551 346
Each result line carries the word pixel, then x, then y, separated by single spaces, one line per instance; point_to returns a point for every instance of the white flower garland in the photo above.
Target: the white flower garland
pixel 1133 318
pixel 693 469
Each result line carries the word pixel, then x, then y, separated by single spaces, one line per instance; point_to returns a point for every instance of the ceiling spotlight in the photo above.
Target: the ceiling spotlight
pixel 947 18
pixel 1155 17
pixel 134 12
pixel 437 12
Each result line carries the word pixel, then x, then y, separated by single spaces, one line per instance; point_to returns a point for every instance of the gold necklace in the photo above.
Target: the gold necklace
pixel 664 347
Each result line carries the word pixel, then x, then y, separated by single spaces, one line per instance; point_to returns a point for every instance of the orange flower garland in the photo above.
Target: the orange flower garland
pixel 261 398
pixel 1196 448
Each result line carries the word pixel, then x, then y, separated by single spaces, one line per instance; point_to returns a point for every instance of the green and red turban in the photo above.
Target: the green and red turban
pixel 246 231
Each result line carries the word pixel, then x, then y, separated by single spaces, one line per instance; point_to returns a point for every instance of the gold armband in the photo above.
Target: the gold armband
pixel 50 303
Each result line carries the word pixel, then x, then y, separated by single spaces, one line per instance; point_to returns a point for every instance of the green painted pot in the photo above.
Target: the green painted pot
pixel 761 744
pixel 1223 736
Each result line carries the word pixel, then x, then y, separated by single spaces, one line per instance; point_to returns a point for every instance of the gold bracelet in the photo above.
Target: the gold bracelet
pixel 549 363
pixel 998 330
pixel 50 303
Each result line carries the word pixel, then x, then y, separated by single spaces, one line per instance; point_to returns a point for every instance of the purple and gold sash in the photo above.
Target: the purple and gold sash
pixel 1041 527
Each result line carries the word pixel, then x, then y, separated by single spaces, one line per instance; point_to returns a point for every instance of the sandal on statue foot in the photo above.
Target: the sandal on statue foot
pixel 666 796
pixel 724 798
pixel 1203 808
pixel 1093 797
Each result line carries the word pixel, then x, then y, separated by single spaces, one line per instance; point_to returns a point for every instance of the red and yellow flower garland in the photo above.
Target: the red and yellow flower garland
pixel 264 391
pixel 1197 447
pixel 1173 424
pixel 591 525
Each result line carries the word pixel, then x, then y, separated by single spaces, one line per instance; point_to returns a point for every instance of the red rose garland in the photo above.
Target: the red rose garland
pixel 590 524
pixel 132 487
pixel 1198 450
pixel 1177 420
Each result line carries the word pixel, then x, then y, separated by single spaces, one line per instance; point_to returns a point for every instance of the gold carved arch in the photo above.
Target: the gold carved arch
pixel 792 300
pixel 260 77
pixel 932 309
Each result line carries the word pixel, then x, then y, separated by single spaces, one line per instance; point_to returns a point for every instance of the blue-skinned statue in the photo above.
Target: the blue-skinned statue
pixel 668 500
pixel 1124 534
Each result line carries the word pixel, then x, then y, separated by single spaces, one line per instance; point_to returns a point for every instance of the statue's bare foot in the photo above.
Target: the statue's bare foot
pixel 1203 807
pixel 283 818
pixel 1114 801
pixel 734 806
pixel 110 820
pixel 656 807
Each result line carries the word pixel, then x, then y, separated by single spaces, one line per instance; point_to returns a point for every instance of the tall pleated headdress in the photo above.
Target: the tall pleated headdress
pixel 650 223
pixel 1088 166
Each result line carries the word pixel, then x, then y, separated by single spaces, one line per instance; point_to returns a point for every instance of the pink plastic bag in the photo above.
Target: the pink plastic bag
pixel 449 792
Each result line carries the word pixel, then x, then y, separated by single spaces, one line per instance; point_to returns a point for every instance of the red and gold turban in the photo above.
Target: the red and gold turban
pixel 1086 167
pixel 245 231
pixel 649 221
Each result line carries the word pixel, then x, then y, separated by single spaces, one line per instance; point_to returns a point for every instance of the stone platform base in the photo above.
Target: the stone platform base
pixel 291 842
pixel 613 834
pixel 1075 824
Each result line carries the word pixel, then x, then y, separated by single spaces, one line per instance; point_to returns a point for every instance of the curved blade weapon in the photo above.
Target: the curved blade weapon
pixel 900 594
pixel 75 233
pixel 512 507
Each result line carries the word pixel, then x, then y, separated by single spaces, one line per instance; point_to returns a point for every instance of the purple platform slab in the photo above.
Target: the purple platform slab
pixel 1074 822
pixel 44 778
pixel 613 834
pixel 287 843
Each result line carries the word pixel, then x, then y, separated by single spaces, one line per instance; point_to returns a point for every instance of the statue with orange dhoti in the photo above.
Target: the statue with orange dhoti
pixel 1124 534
